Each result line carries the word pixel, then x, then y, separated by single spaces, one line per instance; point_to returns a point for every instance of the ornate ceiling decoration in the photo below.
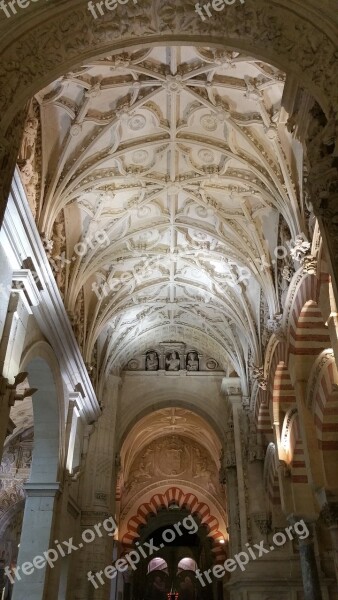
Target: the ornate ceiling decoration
pixel 164 423
pixel 165 173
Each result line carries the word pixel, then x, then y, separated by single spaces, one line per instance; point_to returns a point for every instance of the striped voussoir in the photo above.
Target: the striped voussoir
pixel 325 407
pixel 188 501
pixel 307 332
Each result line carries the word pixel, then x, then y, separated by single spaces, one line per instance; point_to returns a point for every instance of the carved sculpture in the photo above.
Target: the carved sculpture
pixel 192 361
pixel 152 361
pixel 172 361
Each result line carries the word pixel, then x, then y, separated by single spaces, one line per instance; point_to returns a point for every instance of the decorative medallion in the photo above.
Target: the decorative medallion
pixel 137 122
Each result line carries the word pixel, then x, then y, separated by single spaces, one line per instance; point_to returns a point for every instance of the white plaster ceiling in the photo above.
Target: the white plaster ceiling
pixel 182 158
pixel 169 421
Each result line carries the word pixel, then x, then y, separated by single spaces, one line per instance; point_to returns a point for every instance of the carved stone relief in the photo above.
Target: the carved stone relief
pixel 178 358
pixel 172 457
pixel 29 159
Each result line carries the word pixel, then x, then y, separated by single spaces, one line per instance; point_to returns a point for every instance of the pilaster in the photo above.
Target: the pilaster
pixel 98 494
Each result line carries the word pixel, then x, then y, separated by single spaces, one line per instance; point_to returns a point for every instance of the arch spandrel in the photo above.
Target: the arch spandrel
pixel 54 40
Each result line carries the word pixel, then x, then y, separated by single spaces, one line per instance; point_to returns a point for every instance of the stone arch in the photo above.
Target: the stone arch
pixel 299 41
pixel 262 413
pixel 44 375
pixel 146 405
pixel 322 400
pixel 308 338
pixel 184 500
pixel 292 435
pixel 55 40
pixel 44 484
pixel 271 481
pixel 283 404
pixel 297 468
pixel 306 289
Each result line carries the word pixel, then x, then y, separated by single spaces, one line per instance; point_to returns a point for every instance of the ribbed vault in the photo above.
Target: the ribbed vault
pixel 166 173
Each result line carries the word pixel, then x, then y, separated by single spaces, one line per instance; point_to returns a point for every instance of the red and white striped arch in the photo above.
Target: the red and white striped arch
pixel 184 500
pixel 271 482
pixel 296 451
pixel 307 333
pixel 283 393
pixel 323 401
pixel 307 290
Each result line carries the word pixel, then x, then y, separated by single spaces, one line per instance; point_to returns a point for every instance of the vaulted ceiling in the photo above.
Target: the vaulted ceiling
pixel 165 174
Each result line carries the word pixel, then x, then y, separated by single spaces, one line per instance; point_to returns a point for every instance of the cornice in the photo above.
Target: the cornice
pixel 21 240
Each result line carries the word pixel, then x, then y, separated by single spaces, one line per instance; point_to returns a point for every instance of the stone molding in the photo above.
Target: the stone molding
pixel 47 306
pixel 36 490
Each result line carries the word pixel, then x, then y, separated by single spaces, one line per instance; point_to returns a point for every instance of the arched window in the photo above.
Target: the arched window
pixel 157 564
pixel 187 564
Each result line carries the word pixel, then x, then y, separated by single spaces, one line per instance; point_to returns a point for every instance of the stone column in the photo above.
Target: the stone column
pixel 257 501
pixel 236 402
pixel 308 563
pixel 329 514
pixel 36 538
pixel 232 467
pixel 98 498
pixel 230 479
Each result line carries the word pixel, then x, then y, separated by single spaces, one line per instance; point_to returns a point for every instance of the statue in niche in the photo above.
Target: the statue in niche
pixel 192 361
pixel 29 139
pixel 172 361
pixel 151 361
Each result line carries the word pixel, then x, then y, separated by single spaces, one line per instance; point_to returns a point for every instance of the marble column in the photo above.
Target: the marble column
pixel 308 563
pixel 36 538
